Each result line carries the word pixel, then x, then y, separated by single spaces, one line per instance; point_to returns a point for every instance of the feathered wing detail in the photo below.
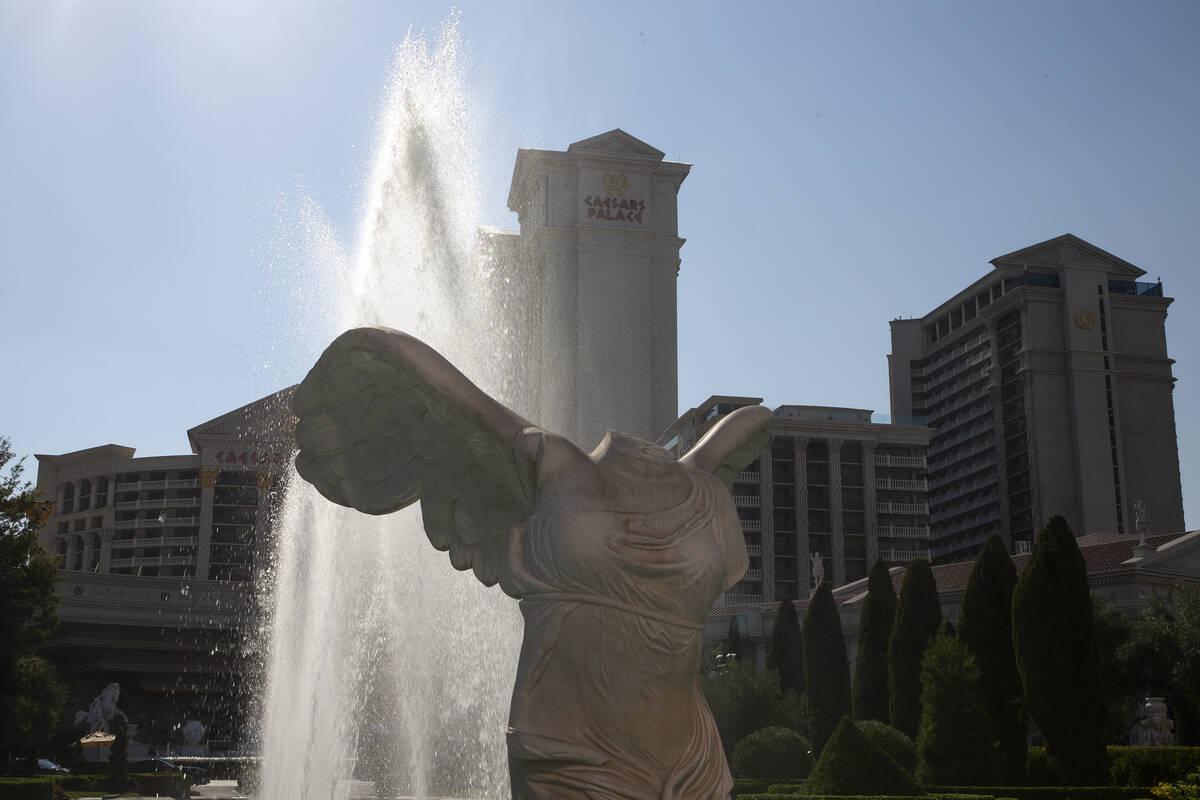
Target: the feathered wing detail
pixel 385 420
pixel 733 443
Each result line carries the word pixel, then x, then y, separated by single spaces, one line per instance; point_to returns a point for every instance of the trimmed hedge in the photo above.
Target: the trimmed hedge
pixel 748 786
pixel 1049 792
pixel 774 754
pixel 171 784
pixel 27 788
pixel 774 795
pixel 852 763
pixel 1148 766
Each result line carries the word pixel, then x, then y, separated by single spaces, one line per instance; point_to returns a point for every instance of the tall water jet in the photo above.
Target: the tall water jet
pixel 384 664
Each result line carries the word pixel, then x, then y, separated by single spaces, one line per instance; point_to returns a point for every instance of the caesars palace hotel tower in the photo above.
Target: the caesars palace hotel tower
pixel 598 256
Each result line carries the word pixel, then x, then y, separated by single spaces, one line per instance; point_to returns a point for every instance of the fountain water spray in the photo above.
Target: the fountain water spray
pixel 384 663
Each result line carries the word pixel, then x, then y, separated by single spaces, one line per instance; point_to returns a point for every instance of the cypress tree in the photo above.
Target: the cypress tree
pixel 734 645
pixel 918 615
pixel 985 627
pixel 874 630
pixel 118 755
pixel 1052 639
pixel 825 666
pixel 954 744
pixel 786 655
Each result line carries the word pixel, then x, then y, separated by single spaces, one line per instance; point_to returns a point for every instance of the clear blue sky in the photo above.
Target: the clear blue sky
pixel 853 162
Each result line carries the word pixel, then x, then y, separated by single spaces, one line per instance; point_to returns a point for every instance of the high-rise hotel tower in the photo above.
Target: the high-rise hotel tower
pixel 1049 388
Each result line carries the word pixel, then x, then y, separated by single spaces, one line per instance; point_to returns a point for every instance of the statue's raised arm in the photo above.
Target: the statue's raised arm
pixel 385 420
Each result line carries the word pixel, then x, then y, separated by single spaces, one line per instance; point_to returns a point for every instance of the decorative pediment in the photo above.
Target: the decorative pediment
pixel 1179 557
pixel 267 419
pixel 616 142
pixel 1068 249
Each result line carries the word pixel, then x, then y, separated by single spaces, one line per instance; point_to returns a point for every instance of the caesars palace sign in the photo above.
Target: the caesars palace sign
pixel 613 205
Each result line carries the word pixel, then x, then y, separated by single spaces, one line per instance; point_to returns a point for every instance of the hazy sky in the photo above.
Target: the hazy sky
pixel 854 162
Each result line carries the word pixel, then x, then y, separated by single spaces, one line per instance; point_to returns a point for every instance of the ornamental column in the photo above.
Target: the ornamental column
pixel 208 480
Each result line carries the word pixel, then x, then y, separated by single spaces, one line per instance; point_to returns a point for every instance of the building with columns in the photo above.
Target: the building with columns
pixel 595 265
pixel 832 491
pixel 1049 388
pixel 159 555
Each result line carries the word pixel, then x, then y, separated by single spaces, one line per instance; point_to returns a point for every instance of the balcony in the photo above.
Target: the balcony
pixel 155 522
pixel 903 556
pixel 174 483
pixel 747 501
pixel 903 532
pixel 919 485
pixel 164 541
pixel 901 508
pixel 162 502
pixel 742 599
pixel 1141 288
pixel 961 508
pixel 157 561
pixel 754 549
pixel 752 575
pixel 751 525
pixel 886 460
pixel 748 477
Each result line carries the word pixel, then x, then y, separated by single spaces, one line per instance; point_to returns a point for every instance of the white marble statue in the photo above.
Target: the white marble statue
pixel 616 556
pixel 102 709
pixel 1141 517
pixel 818 569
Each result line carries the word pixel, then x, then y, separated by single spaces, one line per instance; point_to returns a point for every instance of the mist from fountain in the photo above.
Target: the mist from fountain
pixel 383 663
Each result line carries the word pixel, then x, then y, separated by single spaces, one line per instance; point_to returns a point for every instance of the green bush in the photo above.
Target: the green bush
pixel 773 753
pixel 26 788
pixel 748 786
pixel 891 741
pixel 82 783
pixel 852 764
pixel 1148 766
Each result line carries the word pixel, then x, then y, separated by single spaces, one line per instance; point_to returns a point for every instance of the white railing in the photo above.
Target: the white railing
pixel 747 501
pixel 155 522
pixel 886 460
pixel 154 561
pixel 902 485
pixel 163 541
pixel 754 549
pixel 752 575
pixel 903 556
pixel 751 525
pixel 162 502
pixel 742 599
pixel 903 531
pixel 901 508
pixel 173 483
pixel 748 477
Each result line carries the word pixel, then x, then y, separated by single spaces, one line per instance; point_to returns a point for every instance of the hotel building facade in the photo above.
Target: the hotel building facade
pixel 1048 387
pixel 831 487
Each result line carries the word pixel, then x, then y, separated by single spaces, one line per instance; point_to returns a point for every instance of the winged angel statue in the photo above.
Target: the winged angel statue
pixel 616 556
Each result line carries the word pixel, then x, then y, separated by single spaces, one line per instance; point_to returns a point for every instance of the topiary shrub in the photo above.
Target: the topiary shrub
pixel 773 754
pixel 890 741
pixel 851 764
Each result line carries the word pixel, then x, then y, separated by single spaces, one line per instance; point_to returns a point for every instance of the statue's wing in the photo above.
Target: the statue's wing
pixel 384 420
pixel 732 443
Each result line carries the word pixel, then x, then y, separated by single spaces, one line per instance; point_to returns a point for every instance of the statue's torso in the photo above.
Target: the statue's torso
pixel 618 568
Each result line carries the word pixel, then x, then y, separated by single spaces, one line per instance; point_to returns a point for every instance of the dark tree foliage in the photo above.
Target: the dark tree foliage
pixel 853 765
pixel 786 655
pixel 735 645
pixel 918 615
pixel 743 700
pixel 1052 638
pixel 778 754
pixel 1122 682
pixel 118 755
pixel 874 631
pixel 30 697
pixel 1164 650
pixel 985 627
pixel 955 741
pixel 891 741
pixel 825 666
